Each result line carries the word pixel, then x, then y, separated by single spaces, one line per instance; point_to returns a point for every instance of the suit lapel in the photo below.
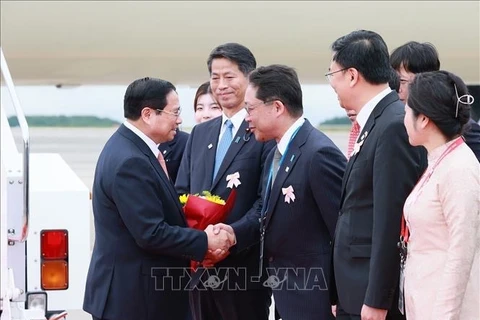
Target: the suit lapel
pixel 210 146
pixel 235 146
pixel 129 134
pixel 289 160
pixel 167 182
pixel 166 148
pixel 365 133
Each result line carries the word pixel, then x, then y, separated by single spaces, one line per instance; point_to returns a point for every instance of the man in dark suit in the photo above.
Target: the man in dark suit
pixel 303 179
pixel 414 57
pixel 380 174
pixel 172 151
pixel 220 155
pixel 394 84
pixel 140 258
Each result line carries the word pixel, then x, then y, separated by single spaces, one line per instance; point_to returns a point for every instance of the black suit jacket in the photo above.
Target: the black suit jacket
pixel 299 234
pixel 172 151
pixel 140 236
pixel 472 137
pixel 377 181
pixel 245 156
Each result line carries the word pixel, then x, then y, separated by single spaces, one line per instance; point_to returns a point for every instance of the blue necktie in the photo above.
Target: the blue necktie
pixel 223 146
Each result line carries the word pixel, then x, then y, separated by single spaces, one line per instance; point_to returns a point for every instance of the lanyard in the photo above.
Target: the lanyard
pixel 270 174
pixel 404 231
pixel 265 203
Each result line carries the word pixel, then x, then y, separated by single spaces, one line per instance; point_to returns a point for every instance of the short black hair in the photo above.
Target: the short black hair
pixel 145 92
pixel 394 82
pixel 433 94
pixel 236 53
pixel 278 82
pixel 415 57
pixel 365 51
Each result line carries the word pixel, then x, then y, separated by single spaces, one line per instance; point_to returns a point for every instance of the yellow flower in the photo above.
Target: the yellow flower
pixel 205 195
pixel 212 198
pixel 183 199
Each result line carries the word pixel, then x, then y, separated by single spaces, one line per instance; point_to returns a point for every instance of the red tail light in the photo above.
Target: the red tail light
pixel 54 244
pixel 54 267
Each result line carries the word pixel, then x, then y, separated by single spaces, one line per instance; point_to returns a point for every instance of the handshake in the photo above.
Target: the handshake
pixel 220 238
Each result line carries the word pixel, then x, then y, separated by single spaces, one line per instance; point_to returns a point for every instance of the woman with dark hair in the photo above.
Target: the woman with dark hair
pixel 441 221
pixel 205 105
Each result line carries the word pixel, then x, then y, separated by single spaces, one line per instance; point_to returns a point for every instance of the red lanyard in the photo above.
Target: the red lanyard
pixel 404 232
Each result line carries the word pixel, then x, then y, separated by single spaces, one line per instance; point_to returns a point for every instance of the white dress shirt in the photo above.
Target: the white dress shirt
pixel 283 143
pixel 150 143
pixel 237 120
pixel 367 109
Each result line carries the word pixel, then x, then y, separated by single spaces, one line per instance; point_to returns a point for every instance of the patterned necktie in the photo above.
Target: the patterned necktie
pixel 354 132
pixel 223 146
pixel 161 160
pixel 277 156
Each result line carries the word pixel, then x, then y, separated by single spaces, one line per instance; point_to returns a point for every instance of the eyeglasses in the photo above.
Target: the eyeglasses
pixel 329 74
pixel 176 113
pixel 250 108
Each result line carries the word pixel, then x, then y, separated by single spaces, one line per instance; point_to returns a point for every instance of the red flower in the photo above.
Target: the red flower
pixel 200 213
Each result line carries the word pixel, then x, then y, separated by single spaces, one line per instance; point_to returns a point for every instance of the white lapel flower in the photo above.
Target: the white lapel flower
pixel 288 193
pixel 233 180
pixel 358 145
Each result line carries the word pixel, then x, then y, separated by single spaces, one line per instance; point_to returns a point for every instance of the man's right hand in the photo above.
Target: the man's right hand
pixel 225 227
pixel 219 240
pixel 370 313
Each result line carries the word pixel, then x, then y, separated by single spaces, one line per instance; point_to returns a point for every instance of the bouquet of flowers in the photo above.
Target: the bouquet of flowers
pixel 205 209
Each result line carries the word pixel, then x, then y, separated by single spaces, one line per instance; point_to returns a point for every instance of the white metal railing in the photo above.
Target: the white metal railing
pixel 26 147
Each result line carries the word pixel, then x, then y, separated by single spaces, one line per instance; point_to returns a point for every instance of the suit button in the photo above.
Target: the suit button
pixel 270 259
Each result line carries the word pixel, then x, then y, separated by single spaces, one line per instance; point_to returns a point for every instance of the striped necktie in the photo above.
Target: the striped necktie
pixel 353 136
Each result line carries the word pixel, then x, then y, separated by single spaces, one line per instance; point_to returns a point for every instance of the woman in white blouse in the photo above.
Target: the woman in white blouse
pixel 442 213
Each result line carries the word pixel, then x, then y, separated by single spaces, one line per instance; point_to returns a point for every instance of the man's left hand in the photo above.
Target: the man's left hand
pixel 369 313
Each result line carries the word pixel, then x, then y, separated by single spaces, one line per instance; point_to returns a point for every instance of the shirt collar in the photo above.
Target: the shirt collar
pixel 236 119
pixel 283 143
pixel 150 143
pixel 367 109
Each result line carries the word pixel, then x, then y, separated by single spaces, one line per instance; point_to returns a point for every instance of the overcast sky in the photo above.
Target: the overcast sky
pixel 319 101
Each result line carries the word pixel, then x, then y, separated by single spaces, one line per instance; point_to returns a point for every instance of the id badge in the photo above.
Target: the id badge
pixel 262 246
pixel 401 297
